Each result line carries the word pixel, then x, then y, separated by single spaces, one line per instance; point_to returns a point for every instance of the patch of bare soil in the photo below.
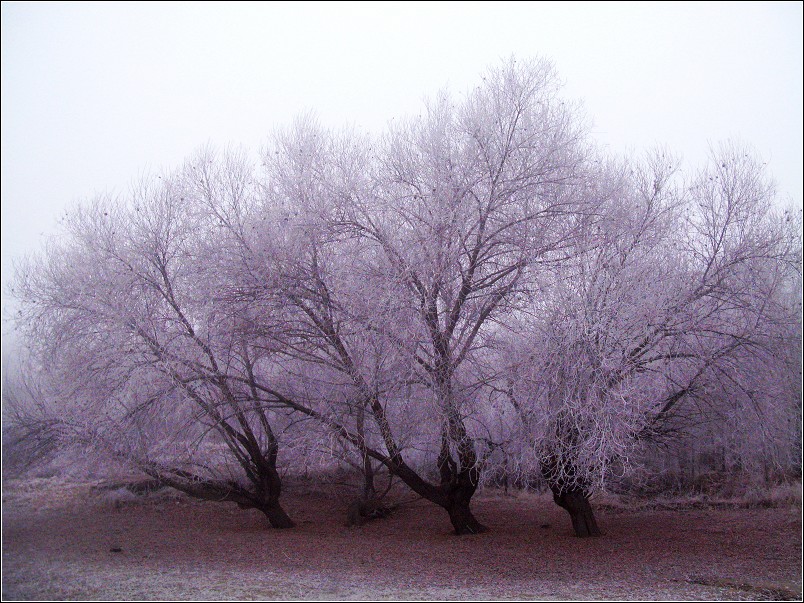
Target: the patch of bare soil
pixel 78 541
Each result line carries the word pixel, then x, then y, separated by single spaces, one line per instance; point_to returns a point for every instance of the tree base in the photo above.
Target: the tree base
pixel 464 522
pixel 277 517
pixel 576 503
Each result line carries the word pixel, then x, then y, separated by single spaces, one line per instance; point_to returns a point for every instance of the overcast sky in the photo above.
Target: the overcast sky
pixel 95 94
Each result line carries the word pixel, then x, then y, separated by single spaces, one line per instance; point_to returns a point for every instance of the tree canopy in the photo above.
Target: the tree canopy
pixel 479 282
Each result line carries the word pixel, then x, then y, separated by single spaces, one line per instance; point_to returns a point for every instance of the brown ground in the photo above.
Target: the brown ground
pixel 58 542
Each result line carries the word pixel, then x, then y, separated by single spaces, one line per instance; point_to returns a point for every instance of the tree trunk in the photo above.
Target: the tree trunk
pixel 570 493
pixel 276 516
pixel 369 491
pixel 220 491
pixel 462 519
pixel 576 502
pixel 268 490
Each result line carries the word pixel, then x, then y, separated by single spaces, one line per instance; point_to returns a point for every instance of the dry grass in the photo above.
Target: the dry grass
pixel 780 495
pixel 60 542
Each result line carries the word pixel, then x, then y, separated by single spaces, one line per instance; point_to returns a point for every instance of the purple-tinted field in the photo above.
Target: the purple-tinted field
pixel 58 542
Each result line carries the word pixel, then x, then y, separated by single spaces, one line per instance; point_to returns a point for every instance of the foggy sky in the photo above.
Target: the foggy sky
pixel 96 95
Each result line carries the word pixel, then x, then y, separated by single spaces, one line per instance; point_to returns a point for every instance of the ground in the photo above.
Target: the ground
pixel 78 541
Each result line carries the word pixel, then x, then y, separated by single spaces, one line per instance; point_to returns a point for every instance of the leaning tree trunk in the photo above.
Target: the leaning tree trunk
pixel 458 485
pixel 460 515
pixel 265 499
pixel 276 515
pixel 269 489
pixel 453 494
pixel 576 502
pixel 571 496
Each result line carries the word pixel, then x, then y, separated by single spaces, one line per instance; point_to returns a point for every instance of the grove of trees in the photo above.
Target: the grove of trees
pixel 479 289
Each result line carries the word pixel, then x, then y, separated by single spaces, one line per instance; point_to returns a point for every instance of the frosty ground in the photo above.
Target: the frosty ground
pixel 66 540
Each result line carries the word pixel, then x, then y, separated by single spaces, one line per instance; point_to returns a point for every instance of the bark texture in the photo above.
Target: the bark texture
pixel 576 503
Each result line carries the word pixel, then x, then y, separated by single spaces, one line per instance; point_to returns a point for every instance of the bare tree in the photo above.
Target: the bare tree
pixel 478 281
pixel 393 262
pixel 677 289
pixel 125 316
pixel 464 204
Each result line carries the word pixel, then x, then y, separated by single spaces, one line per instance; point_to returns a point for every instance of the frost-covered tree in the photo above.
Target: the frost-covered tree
pixel 672 312
pixel 143 358
pixel 393 261
pixel 479 280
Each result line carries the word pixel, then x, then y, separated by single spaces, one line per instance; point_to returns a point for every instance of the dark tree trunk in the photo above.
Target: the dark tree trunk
pixel 462 519
pixel 221 491
pixel 570 495
pixel 367 506
pixel 269 489
pixel 276 516
pixel 458 483
pixel 453 495
pixel 369 491
pixel 576 502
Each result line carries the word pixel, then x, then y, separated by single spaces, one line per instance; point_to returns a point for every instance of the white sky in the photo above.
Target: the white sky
pixel 95 94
